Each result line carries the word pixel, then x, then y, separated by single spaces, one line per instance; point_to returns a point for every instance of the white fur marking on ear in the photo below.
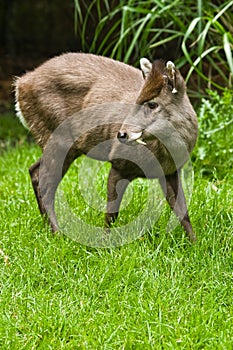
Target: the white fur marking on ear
pixel 146 66
pixel 170 65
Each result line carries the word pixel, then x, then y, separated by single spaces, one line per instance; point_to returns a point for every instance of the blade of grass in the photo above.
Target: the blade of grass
pixel 224 9
pixel 228 49
pixel 104 47
pixel 166 40
pixel 85 24
pixel 201 74
pixel 138 33
pixel 78 16
pixel 213 64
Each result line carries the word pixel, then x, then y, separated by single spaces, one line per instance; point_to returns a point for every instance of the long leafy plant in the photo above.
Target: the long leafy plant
pixel 197 34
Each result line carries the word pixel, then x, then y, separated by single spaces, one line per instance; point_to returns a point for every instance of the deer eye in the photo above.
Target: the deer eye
pixel 152 105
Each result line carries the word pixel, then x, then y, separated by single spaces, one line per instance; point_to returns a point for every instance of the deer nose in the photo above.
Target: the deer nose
pixel 122 136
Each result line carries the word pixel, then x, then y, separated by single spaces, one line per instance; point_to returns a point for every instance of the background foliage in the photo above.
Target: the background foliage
pixel 214 151
pixel 198 35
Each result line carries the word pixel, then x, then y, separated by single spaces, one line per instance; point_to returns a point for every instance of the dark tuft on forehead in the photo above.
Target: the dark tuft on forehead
pixel 158 66
pixel 153 83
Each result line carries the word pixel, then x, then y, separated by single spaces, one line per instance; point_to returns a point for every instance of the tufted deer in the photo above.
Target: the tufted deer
pixel 143 111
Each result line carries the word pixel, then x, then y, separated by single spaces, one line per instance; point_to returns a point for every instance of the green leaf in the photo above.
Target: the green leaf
pixel 228 49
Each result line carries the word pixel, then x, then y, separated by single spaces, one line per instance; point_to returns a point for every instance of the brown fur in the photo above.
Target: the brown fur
pixel 153 83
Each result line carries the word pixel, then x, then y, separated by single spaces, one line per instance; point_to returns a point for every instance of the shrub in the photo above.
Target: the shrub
pixel 214 151
pixel 194 33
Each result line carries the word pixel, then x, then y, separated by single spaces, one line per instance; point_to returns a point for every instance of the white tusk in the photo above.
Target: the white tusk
pixel 140 141
pixel 134 135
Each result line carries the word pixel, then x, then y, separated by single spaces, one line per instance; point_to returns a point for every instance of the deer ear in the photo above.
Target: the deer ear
pixel 146 66
pixel 170 73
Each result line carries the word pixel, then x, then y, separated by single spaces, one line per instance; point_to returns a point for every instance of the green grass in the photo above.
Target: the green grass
pixel 159 292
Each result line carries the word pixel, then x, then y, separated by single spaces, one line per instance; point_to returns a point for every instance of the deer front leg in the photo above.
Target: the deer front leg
pixel 117 185
pixel 174 193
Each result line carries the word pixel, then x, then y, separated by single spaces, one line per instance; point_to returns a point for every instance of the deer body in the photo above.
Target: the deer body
pixel 152 109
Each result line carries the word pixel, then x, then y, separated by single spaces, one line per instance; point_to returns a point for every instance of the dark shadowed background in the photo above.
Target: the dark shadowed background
pixel 194 33
pixel 32 31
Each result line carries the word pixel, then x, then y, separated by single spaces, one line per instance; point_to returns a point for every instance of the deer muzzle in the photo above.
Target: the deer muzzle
pixel 130 137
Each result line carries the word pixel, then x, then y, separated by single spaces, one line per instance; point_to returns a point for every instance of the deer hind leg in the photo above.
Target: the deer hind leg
pixel 45 180
pixel 34 174
pixel 117 185
pixel 44 192
pixel 174 193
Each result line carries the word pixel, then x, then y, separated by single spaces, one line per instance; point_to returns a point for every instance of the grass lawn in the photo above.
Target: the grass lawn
pixel 158 292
